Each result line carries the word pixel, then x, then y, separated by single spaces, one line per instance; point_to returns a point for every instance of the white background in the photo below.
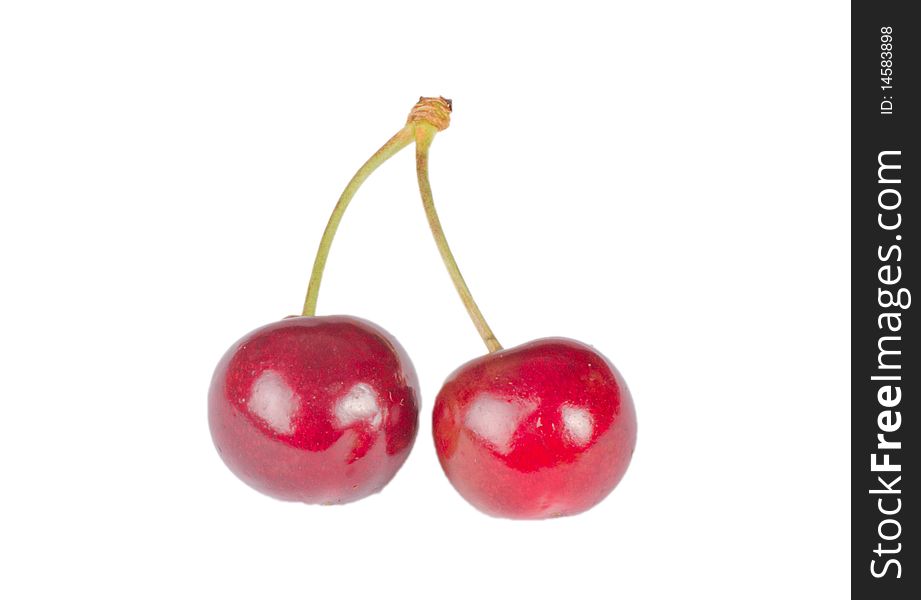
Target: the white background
pixel 667 181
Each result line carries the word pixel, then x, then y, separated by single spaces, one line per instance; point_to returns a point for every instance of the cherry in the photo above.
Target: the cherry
pixel 321 410
pixel 318 409
pixel 544 429
pixel 541 430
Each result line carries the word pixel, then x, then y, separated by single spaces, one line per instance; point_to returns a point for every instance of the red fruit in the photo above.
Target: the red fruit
pixel 322 410
pixel 545 429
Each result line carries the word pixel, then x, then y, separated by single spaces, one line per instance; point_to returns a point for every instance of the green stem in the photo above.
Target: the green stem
pixel 425 133
pixel 402 139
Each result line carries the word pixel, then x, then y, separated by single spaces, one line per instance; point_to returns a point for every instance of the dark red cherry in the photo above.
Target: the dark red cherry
pixel 322 410
pixel 545 429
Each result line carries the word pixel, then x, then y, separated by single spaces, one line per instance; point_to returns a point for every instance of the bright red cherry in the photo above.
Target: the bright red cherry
pixel 544 429
pixel 322 410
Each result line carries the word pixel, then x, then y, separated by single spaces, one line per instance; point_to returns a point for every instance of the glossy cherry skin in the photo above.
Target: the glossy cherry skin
pixel 322 410
pixel 545 429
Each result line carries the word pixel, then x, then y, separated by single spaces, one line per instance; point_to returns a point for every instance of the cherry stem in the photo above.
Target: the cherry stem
pixel 399 141
pixel 425 133
pixel 428 116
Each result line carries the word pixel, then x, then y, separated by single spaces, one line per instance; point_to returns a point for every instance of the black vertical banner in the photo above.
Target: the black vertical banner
pixel 885 371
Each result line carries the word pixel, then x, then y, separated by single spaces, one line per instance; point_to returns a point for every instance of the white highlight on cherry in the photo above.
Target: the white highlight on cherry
pixel 495 419
pixel 274 401
pixel 360 403
pixel 578 424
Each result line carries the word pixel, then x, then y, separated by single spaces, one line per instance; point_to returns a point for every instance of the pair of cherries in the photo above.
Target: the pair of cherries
pixel 325 410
